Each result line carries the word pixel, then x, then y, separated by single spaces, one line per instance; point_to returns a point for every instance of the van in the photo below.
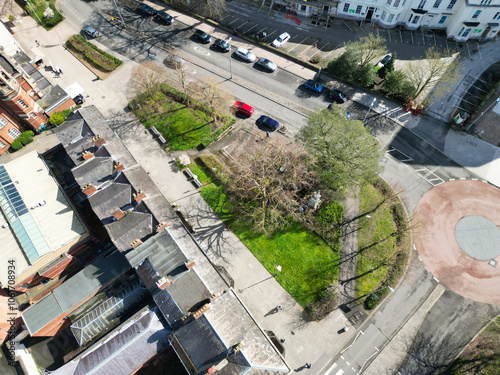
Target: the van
pixel 89 30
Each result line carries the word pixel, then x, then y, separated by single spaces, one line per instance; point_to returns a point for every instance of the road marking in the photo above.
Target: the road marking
pixel 229 24
pixel 298 44
pixel 331 369
pixel 414 248
pixel 348 364
pixel 246 32
pixel 427 173
pixel 342 356
pixel 435 279
pixel 340 372
pixel 420 259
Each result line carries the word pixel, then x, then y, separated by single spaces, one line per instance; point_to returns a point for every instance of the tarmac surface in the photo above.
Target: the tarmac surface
pixel 439 211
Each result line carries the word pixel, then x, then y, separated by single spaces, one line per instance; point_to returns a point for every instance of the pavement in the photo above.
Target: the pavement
pixel 305 341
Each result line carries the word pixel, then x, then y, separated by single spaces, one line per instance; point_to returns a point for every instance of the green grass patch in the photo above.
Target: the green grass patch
pixel 308 264
pixel 96 57
pixel 36 9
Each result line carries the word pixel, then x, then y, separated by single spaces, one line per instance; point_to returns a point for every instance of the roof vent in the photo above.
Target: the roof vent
pixel 117 213
pixel 139 196
pixel 161 226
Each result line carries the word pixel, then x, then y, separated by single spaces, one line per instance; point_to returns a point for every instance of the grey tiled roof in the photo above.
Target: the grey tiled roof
pixel 70 293
pixel 124 350
pixel 106 199
pixel 134 225
pixel 94 171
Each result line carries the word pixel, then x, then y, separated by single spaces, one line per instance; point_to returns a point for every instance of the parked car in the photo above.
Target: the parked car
pixel 202 36
pixel 79 100
pixel 89 30
pixel 244 55
pixel 347 114
pixel 174 61
pixel 146 9
pixel 244 108
pixel 164 17
pixel 382 62
pixel 266 64
pixel 268 123
pixel 222 45
pixel 313 86
pixel 338 96
pixel 280 40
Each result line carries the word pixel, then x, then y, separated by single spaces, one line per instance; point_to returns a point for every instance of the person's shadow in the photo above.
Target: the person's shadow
pixel 303 367
pixel 272 311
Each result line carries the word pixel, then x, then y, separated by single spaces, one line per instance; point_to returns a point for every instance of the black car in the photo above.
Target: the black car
pixel 146 9
pixel 202 36
pixel 338 96
pixel 222 45
pixel 268 123
pixel 164 17
pixel 79 100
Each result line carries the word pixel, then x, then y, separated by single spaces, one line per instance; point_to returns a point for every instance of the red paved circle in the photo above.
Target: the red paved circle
pixel 436 215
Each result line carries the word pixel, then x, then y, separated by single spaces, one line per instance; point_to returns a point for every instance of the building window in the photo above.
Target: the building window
pixel 451 4
pixel 478 12
pixel 443 19
pixel 391 17
pixel 14 133
pixel 3 122
pixel 346 7
pixel 497 16
pixel 396 3
pixel 389 2
pixel 464 32
pixel 485 2
pixel 437 4
pixel 21 103
pixel 422 4
pixel 33 114
pixel 2 145
pixel 358 9
pixel 415 19
pixel 384 14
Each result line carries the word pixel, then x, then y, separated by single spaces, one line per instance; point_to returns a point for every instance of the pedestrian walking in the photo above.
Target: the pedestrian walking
pixel 37 43
pixel 60 71
pixel 307 365
pixel 282 341
pixel 279 307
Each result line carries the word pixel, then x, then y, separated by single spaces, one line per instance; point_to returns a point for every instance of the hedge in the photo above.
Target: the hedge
pixel 94 55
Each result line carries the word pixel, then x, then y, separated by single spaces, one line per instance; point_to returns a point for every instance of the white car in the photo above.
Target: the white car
pixel 245 55
pixel 282 39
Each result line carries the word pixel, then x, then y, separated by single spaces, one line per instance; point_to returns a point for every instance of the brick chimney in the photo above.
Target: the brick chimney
pixel 117 213
pixel 87 155
pixel 139 196
pixel 89 189
pixel 161 226
pixel 163 282
pixel 119 166
pixel 190 264
pixel 197 314
pixel 135 243
pixel 98 141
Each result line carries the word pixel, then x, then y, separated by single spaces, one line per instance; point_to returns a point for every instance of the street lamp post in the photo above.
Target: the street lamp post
pixel 482 113
pixel 27 2
pixel 384 287
pixel 121 17
pixel 369 108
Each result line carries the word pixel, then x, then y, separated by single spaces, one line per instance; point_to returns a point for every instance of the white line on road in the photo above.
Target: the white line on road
pixel 229 24
pixel 298 44
pixel 435 279
pixel 330 369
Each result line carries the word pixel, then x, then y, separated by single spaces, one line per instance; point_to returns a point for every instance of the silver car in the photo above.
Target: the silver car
pixel 245 55
pixel 267 64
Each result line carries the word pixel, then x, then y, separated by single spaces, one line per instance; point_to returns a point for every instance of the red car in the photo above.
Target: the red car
pixel 244 108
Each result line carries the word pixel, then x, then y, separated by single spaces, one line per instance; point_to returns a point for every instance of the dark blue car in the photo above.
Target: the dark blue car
pixel 268 123
pixel 313 86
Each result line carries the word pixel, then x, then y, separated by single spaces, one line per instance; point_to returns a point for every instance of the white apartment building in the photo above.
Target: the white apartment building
pixel 460 19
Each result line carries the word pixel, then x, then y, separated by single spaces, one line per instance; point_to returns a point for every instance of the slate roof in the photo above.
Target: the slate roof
pixel 135 225
pixel 122 351
pixel 76 137
pixel 114 195
pixel 70 293
pixel 94 171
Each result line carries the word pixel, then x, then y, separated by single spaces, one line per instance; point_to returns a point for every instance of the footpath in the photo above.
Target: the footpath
pixel 313 342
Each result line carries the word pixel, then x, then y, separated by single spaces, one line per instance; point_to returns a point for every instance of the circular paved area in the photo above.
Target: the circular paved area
pixel 461 211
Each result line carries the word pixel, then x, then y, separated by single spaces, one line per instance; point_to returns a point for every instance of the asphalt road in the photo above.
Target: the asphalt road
pixel 410 163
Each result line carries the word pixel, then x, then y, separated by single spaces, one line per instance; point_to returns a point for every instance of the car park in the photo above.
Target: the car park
pixel 313 86
pixel 164 17
pixel 244 108
pixel 338 96
pixel 202 36
pixel 280 40
pixel 222 45
pixel 268 123
pixel 266 64
pixel 245 55
pixel 90 31
pixel 146 9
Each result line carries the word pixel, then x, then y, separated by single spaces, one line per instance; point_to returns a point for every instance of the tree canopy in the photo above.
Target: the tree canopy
pixel 345 150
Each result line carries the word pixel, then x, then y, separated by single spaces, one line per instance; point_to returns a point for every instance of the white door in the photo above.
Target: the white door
pixel 427 20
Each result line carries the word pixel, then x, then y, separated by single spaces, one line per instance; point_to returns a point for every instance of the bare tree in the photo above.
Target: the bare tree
pixel 269 182
pixel 215 96
pixel 436 67
pixel 147 78
pixel 213 9
pixel 182 80
pixel 367 48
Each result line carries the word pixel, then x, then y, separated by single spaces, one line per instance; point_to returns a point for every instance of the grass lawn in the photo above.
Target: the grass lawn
pixel 374 229
pixel 183 127
pixel 308 263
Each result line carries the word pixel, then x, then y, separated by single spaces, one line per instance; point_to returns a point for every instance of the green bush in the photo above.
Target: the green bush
pixel 330 214
pixel 343 66
pixel 364 76
pixel 26 137
pixel 16 145
pixel 59 117
pixel 94 55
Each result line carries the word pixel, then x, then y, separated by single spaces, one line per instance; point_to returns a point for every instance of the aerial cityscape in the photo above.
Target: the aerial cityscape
pixel 250 187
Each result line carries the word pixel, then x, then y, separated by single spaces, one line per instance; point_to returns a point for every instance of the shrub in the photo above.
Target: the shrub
pixel 11 17
pixel 364 76
pixel 397 85
pixel 26 137
pixel 330 213
pixel 16 145
pixel 219 170
pixel 315 59
pixel 59 117
pixel 94 55
pixel 343 66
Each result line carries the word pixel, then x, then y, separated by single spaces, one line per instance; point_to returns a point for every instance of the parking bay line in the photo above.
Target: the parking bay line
pixel 298 44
